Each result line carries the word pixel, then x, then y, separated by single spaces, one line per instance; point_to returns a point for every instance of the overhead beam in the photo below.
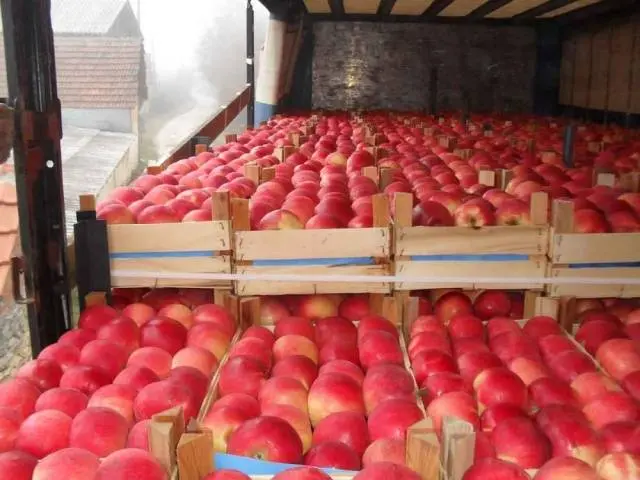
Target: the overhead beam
pixel 547 7
pixel 386 6
pixel 436 7
pixel 611 9
pixel 337 8
pixel 486 8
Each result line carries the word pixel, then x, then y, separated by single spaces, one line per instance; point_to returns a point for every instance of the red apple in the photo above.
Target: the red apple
pixel 283 391
pixel 295 417
pixel 431 362
pixel 465 326
pixel 473 364
pixel 165 333
pixel 17 465
pixel 263 333
pixel 452 304
pixel 299 367
pixel 441 383
pixel 492 303
pixel 569 365
pixel 497 414
pixel 209 336
pixel 44 432
pixel 591 385
pixel 566 468
pixel 611 407
pixel 459 405
pixel 344 367
pixel 316 307
pixel 139 313
pixel 242 375
pixel 217 315
pixel 266 438
pixel 619 466
pixel 138 436
pixel 65 355
pixel 346 427
pixel 378 347
pixel 96 316
pixel 301 473
pixel 223 422
pixel 429 341
pixel 154 358
pixel 385 450
pixel 333 455
pixel 495 469
pixel 384 382
pixel 551 391
pixel 330 328
pixel 84 378
pixel 540 326
pixel 619 357
pixel 73 463
pixel 272 311
pixel 44 374
pixel 332 393
pixel 354 307
pixel 295 326
pixel 499 325
pixel 295 345
pixel 500 386
pixel 240 401
pixel 160 396
pixel 199 358
pixel 99 430
pixel 255 348
pixel 518 440
pixel 128 463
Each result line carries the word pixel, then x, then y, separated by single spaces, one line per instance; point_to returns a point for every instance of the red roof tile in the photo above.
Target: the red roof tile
pixel 9 224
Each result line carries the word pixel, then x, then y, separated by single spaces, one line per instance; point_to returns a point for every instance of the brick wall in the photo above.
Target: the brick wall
pixel 366 65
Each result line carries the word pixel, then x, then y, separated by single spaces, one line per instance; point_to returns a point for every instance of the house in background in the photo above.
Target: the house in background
pixel 100 64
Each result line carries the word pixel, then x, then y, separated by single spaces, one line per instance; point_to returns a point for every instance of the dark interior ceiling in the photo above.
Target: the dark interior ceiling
pixel 472 11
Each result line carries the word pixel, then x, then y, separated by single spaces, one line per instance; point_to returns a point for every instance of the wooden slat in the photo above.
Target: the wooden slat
pixel 600 69
pixel 170 237
pixel 291 288
pixel 307 244
pixel 410 7
pixel 594 291
pixel 317 6
pixel 582 71
pixel 619 78
pixel 515 7
pixel 175 266
pixel 595 248
pixel 461 8
pixel 366 7
pixel 529 269
pixel 463 241
pixel 569 8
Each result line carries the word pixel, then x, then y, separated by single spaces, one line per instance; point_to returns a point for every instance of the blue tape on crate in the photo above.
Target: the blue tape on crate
pixel 187 254
pixel 489 257
pixel 308 262
pixel 251 466
pixel 578 266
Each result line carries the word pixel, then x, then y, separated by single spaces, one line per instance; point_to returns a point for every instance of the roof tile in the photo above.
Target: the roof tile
pixel 94 72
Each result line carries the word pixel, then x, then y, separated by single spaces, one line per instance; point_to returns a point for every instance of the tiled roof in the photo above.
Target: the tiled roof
pixel 8 230
pixel 84 17
pixel 94 72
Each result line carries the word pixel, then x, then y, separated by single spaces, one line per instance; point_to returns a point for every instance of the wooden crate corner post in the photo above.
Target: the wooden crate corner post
pixel 165 431
pixel 195 453
pixel 458 450
pixel 423 451
pixel 539 208
pixel 403 208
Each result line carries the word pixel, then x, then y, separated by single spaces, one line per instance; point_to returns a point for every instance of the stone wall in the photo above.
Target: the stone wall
pixel 15 344
pixel 367 65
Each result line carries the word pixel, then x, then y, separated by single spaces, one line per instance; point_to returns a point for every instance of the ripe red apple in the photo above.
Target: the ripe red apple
pixel 17 465
pixel 160 396
pixel 566 468
pixel 500 386
pixel 301 473
pixel 378 347
pixel 551 391
pixel 45 374
pixel 518 440
pixel 295 326
pixel 451 304
pixel 472 213
pixel 385 450
pixel 178 312
pixel 386 470
pixel 431 362
pixel 459 405
pixel 611 407
pixel 84 378
pixel 499 325
pixel 65 355
pixel 255 348
pixel 223 422
pixel 497 414
pixel 619 466
pixel 540 326
pixel 128 463
pixel 344 367
pixel 139 313
pixel 283 391
pixel 138 436
pixel 209 336
pixel 384 382
pixel 193 380
pixel 474 363
pixel 240 401
pixel 330 328
pixel 99 430
pixel 370 323
pixel 266 438
pixel 44 432
pixel 196 357
pixel 66 400
pixel 528 370
pixel 441 383
pixel 295 345
pixel 295 417
pixel 211 313
pixel 591 385
pixel 122 331
pixel 427 323
pixel 154 358
pixel 298 367
pixel 492 303
pixel 495 469
pixel 96 316
pixel 429 341
pixel 242 375
pixel 465 326
pixel 354 307
pixel 118 398
pixel 619 357
pixel 73 463
pixel 509 346
pixel 346 427
pixel 432 214
pixel 569 365
pixel 513 212
pixel 263 333
pixel 594 333
pixel 333 455
pixel 165 333
pixel 9 426
pixel 332 393
pixel 570 434
pixel 272 310
pixel 339 350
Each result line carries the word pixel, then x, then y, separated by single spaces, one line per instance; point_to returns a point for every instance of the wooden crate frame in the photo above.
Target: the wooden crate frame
pixel 339 252
pixel 496 251
pixel 591 255
pixel 194 450
pixel 174 249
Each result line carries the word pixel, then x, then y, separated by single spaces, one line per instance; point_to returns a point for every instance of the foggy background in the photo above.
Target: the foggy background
pixel 195 62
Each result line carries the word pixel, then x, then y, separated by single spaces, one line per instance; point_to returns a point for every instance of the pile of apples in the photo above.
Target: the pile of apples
pixel 540 406
pixel 322 185
pixel 82 409
pixel 319 390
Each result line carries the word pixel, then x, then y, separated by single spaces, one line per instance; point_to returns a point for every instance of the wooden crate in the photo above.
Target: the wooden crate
pixel 195 454
pixel 500 252
pixel 175 250
pixel 335 252
pixel 609 256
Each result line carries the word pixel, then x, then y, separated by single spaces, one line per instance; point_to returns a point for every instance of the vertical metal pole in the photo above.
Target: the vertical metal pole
pixel 250 66
pixel 31 74
pixel 433 90
pixel 569 138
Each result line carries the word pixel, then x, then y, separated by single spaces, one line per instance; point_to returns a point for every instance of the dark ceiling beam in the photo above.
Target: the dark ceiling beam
pixel 422 19
pixel 488 7
pixel 385 7
pixel 337 8
pixel 602 12
pixel 546 7
pixel 436 7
